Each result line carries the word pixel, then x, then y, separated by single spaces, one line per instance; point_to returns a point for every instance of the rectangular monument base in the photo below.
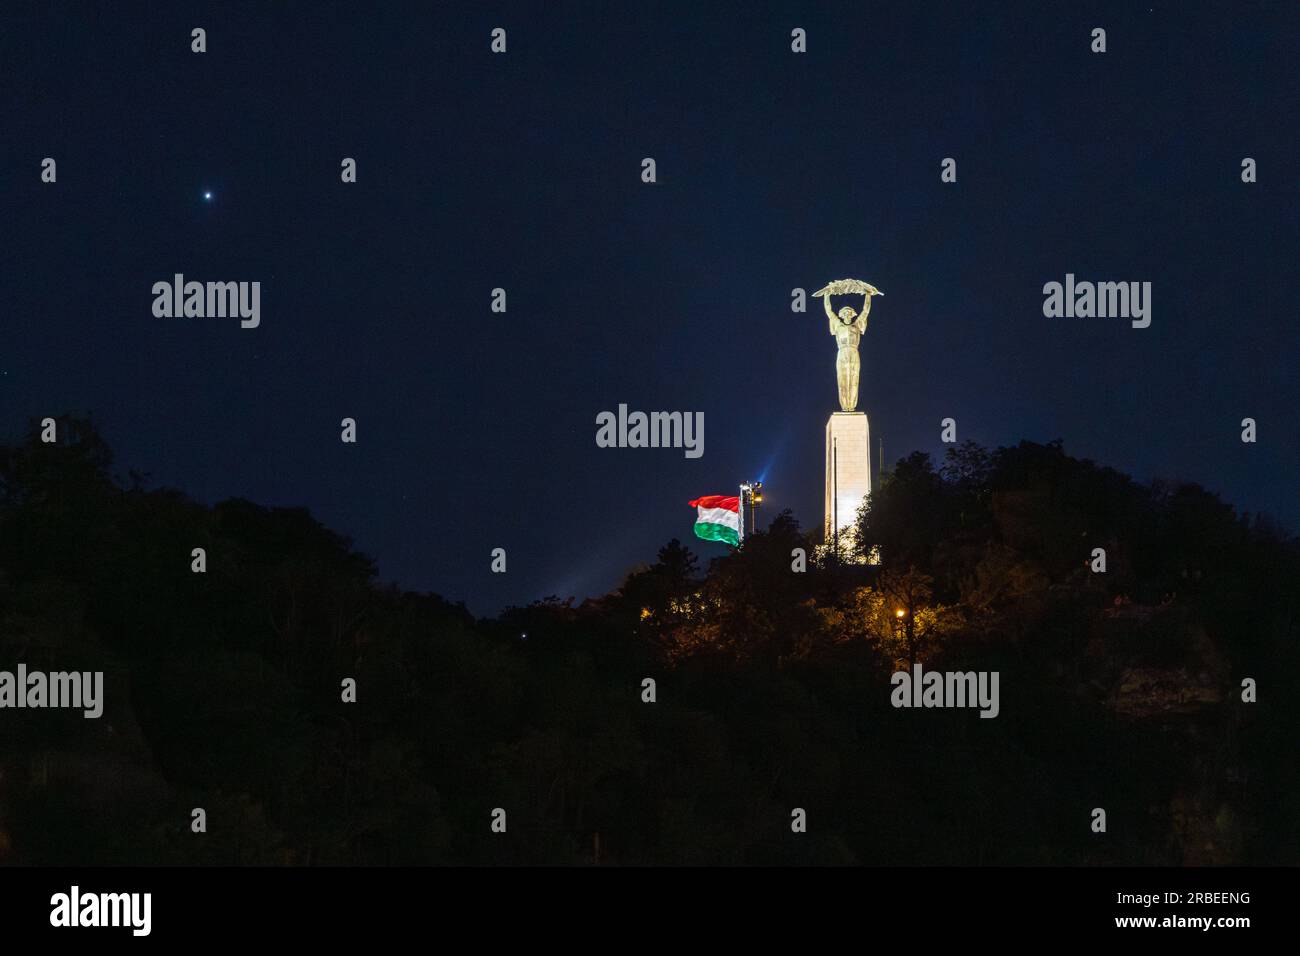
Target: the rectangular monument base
pixel 848 477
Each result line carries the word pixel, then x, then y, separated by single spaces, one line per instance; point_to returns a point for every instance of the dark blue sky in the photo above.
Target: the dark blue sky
pixel 523 171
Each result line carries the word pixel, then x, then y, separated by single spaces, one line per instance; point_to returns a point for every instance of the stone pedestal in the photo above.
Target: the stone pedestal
pixel 848 474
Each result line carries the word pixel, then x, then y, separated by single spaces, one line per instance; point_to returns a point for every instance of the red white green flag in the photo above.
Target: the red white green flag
pixel 718 518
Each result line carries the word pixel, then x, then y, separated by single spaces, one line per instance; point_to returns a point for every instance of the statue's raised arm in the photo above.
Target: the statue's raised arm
pixel 860 323
pixel 830 315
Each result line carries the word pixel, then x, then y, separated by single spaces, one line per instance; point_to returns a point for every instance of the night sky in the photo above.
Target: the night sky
pixel 522 171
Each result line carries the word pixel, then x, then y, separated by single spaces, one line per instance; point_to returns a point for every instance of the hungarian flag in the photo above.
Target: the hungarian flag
pixel 718 518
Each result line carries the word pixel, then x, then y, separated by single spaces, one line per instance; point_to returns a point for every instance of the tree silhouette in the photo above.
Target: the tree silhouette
pixel 223 688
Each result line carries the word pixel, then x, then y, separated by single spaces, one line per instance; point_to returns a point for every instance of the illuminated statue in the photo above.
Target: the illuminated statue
pixel 847 326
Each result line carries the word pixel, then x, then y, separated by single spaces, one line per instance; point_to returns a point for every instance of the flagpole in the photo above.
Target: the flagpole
pixel 741 510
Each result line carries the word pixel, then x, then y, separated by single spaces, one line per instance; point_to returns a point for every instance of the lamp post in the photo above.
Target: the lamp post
pixel 744 496
pixel 900 616
pixel 751 494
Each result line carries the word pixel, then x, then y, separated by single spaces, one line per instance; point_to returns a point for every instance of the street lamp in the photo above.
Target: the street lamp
pixel 899 614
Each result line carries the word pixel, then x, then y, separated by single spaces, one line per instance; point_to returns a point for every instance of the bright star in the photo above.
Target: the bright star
pixel 208 196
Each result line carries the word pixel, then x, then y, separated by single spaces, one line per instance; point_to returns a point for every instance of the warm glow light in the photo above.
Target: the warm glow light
pixel 899 613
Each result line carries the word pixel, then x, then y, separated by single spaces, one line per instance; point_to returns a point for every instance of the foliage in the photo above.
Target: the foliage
pixel 772 686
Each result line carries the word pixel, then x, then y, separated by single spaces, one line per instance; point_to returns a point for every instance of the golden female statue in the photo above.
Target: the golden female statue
pixel 847 327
